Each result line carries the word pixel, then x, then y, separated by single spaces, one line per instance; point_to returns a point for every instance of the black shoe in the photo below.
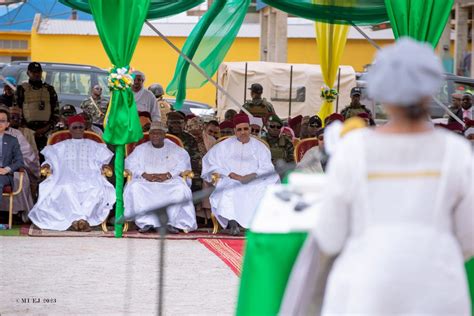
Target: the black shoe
pixel 234 228
pixel 146 229
pixel 172 230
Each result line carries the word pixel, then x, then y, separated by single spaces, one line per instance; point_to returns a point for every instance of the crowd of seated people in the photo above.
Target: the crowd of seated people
pixel 238 155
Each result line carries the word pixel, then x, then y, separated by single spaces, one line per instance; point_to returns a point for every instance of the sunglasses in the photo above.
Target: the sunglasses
pixel 314 125
pixel 240 129
pixel 78 127
pixel 175 121
pixel 255 130
pixel 274 126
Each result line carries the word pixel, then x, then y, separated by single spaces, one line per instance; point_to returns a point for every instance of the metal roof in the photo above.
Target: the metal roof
pixel 181 26
pixel 20 16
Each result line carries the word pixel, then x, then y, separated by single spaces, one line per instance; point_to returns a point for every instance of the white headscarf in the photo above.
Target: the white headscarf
pixel 404 73
pixel 139 73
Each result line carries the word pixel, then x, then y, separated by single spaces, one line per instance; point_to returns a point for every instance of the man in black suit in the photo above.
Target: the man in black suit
pixel 11 158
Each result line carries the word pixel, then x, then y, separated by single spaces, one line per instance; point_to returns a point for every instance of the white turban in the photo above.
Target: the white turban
pixel 139 73
pixel 256 121
pixel 404 73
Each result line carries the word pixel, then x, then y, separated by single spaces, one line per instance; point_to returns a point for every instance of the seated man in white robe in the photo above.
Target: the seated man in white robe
pixel 245 168
pixel 76 194
pixel 156 167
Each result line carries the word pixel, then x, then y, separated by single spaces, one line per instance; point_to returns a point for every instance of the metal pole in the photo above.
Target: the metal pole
pixel 217 91
pixel 338 87
pixel 450 113
pixel 7 83
pixel 291 88
pixel 161 272
pixel 199 69
pixel 371 41
pixel 245 83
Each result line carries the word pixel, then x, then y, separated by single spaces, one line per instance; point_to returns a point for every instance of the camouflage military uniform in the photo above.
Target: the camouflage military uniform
pixel 280 148
pixel 164 107
pixel 191 147
pixel 259 108
pixel 95 109
pixel 351 111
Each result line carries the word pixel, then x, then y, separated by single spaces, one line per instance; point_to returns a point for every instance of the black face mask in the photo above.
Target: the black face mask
pixel 35 83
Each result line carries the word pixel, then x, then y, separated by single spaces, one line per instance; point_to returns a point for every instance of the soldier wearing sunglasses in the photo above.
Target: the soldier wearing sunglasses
pixel 281 146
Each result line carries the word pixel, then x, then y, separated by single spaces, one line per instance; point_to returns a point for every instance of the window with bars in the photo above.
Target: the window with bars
pixel 13 44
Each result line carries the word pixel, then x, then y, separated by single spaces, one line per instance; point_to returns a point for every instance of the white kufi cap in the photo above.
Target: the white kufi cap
pixel 404 73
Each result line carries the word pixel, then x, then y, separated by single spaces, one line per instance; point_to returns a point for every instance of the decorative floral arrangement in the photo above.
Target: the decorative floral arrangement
pixel 119 78
pixel 328 94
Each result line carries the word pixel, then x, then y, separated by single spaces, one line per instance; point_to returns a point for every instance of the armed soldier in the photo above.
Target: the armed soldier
pixel 281 146
pixel 39 102
pixel 355 108
pixel 258 106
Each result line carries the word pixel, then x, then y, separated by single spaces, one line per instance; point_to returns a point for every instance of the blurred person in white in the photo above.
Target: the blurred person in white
pixel 398 205
pixel 145 100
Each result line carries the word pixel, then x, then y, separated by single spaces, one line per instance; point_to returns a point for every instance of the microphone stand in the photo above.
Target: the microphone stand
pixel 281 169
pixel 163 218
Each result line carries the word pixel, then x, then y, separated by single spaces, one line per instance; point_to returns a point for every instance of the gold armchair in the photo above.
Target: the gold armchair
pixel 215 177
pixel 127 174
pixel 10 192
pixel 57 137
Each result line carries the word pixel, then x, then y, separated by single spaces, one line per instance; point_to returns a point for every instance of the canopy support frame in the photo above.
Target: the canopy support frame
pixel 199 69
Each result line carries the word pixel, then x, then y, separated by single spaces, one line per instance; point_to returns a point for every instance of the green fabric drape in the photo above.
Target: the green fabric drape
pixel 267 264
pixel 360 12
pixel 422 20
pixel 207 46
pixel 157 8
pixel 119 25
pixel 470 280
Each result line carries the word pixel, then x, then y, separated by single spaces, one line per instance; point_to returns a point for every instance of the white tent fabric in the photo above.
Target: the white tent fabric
pixel 275 79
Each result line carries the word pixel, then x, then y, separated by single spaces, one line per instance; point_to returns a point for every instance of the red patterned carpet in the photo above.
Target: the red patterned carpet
pixel 201 233
pixel 228 250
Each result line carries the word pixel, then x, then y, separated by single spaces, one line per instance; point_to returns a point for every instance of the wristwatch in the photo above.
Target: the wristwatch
pixel 168 176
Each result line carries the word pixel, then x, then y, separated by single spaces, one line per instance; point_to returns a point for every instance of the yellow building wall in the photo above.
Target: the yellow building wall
pixel 157 60
pixel 16 36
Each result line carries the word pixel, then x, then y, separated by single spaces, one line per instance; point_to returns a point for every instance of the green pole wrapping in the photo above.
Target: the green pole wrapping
pixel 119 24
pixel 119 163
